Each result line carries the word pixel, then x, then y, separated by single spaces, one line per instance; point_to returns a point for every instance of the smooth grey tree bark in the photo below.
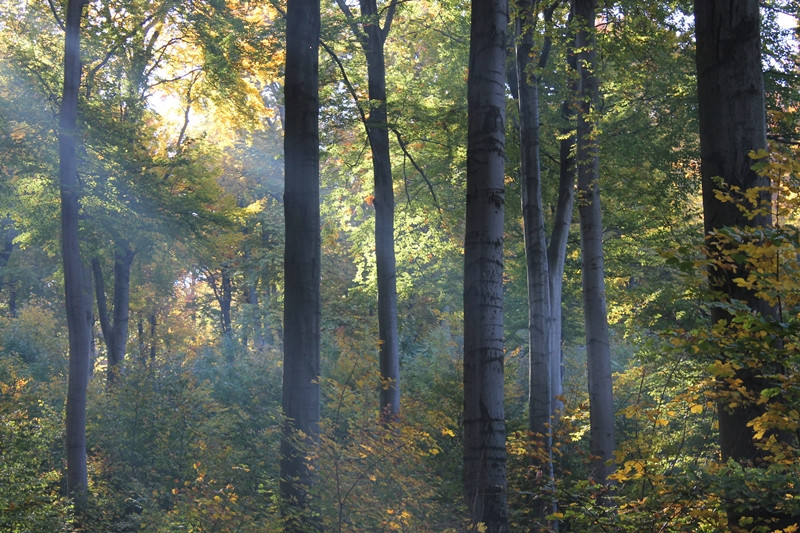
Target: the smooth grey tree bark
pixel 484 415
pixel 301 396
pixel 732 120
pixel 533 222
pixel 114 325
pixel 372 37
pixel 557 249
pixel 598 349
pixel 77 305
pixel 540 313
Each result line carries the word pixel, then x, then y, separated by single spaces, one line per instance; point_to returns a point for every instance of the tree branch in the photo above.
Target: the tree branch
pixel 387 24
pixel 100 296
pixel 351 21
pixel 55 14
pixel 346 81
pixel 548 39
pixel 416 166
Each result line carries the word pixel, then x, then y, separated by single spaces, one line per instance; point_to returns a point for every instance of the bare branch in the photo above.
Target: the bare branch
pixel 783 140
pixel 403 147
pixel 548 39
pixel 55 15
pixel 387 24
pixel 346 81
pixel 345 9
pixel 352 22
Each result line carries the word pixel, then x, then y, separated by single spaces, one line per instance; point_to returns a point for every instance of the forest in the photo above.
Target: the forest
pixel 399 265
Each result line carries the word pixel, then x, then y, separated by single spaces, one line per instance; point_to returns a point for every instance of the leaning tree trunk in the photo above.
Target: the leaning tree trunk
pixel 76 301
pixel 732 120
pixel 484 415
pixel 598 350
pixel 301 397
pixel 557 249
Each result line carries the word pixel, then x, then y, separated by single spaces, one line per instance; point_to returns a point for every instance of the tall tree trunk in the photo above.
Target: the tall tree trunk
pixel 539 298
pixel 76 301
pixel 557 250
pixel 598 350
pixel 258 328
pixel 372 37
pixel 301 399
pixel 378 133
pixel 114 325
pixel 732 121
pixel 484 415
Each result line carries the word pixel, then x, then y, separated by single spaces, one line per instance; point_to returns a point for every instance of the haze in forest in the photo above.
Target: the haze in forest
pixel 421 265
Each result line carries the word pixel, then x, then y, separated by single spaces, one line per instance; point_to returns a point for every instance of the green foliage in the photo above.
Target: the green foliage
pixel 30 441
pixel 34 337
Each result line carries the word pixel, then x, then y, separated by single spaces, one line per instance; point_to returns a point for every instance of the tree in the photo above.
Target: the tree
pixel 114 325
pixel 7 234
pixel 75 289
pixel 372 37
pixel 598 349
pixel 301 400
pixel 542 343
pixel 557 247
pixel 732 120
pixel 484 414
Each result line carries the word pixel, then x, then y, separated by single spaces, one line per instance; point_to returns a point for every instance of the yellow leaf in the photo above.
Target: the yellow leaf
pixel 696 408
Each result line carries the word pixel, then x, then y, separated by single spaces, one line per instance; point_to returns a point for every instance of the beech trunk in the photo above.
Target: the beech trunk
pixel 557 249
pixel 540 320
pixel 77 305
pixel 301 397
pixel 378 133
pixel 372 37
pixel 7 235
pixel 732 120
pixel 484 415
pixel 598 349
pixel 114 325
